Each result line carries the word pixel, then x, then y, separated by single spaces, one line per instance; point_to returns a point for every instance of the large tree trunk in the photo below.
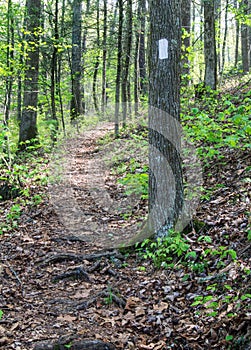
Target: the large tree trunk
pixel 28 124
pixel 165 184
pixel 76 100
pixel 210 44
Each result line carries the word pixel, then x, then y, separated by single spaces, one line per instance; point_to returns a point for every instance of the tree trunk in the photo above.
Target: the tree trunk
pixel 96 65
pixel 224 39
pixel 28 124
pixel 210 44
pixel 142 48
pixel 127 58
pixel 165 184
pixel 186 28
pixel 119 66
pixel 54 73
pixel 237 33
pixel 76 100
pixel 103 102
pixel 84 49
pixel 9 64
pixel 244 39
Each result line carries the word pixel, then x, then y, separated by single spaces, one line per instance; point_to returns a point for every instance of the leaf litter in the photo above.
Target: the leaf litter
pixel 58 288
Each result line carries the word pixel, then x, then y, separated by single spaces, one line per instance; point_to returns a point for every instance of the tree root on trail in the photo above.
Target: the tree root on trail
pixel 78 273
pixel 73 344
pixel 78 257
pixel 108 294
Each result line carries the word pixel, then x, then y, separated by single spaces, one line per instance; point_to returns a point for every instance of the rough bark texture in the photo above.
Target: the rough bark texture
pixel 28 124
pixel 142 47
pixel 76 103
pixel 127 58
pixel 119 67
pixel 165 185
pixel 210 45
pixel 245 39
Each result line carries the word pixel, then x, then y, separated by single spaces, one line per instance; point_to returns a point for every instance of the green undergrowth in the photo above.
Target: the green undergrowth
pixel 22 174
pixel 217 122
pixel 217 269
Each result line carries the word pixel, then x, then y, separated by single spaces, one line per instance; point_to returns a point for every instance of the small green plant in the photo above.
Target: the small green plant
pixel 164 251
pixel 109 298
pixel 136 184
pixel 1 314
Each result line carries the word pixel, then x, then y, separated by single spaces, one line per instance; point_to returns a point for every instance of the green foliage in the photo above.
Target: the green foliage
pixel 1 314
pixel 164 252
pixel 226 124
pixel 136 184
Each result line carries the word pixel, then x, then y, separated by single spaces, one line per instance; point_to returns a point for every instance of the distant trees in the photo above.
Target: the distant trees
pixel 91 55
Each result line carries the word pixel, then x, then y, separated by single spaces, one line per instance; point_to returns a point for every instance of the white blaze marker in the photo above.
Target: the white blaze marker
pixel 163 49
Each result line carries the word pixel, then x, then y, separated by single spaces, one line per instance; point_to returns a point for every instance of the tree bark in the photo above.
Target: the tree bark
pixel 28 124
pixel 186 28
pixel 127 59
pixel 104 63
pixel 96 65
pixel 76 100
pixel 119 67
pixel 210 45
pixel 237 33
pixel 9 64
pixel 165 184
pixel 244 39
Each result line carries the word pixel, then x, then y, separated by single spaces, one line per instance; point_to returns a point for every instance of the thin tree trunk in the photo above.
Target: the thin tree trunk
pixel 59 92
pixel 76 100
pixel 224 39
pixel 54 73
pixel 127 59
pixel 28 125
pixel 96 65
pixel 103 102
pixel 136 73
pixel 9 64
pixel 218 25
pixel 186 27
pixel 244 39
pixel 210 45
pixel 142 48
pixel 84 48
pixel 237 34
pixel 119 66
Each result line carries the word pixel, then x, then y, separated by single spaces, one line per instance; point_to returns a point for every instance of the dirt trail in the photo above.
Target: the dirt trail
pixel 55 283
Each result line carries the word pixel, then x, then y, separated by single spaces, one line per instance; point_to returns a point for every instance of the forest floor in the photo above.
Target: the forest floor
pixel 62 282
